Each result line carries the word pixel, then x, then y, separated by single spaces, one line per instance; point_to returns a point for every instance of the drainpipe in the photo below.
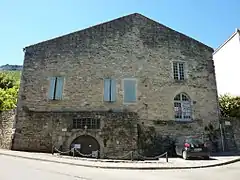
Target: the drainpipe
pixel 222 139
pixel 220 127
pixel 53 145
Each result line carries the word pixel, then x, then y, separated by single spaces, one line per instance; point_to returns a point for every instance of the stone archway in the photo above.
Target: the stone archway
pixel 87 144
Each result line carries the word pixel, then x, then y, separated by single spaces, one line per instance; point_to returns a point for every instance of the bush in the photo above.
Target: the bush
pixel 9 86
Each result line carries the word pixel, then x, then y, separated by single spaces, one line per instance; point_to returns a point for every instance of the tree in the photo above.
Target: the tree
pixel 9 86
pixel 230 105
pixel 6 81
pixel 8 98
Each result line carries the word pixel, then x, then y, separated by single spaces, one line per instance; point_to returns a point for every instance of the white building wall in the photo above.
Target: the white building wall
pixel 227 67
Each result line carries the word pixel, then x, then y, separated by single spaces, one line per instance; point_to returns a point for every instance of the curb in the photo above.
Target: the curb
pixel 105 160
pixel 131 168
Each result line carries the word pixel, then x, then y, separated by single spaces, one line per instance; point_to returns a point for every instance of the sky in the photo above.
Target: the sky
pixel 26 22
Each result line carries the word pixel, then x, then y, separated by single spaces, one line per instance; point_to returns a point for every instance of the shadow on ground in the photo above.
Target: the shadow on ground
pixel 226 154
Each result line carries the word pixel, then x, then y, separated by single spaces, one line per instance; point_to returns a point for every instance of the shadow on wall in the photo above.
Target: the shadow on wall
pixel 224 140
pixel 152 144
pixel 231 134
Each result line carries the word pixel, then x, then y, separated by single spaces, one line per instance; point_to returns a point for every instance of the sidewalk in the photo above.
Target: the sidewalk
pixel 173 163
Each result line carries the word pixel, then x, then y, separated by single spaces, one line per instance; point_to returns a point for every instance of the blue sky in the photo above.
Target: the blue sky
pixel 27 22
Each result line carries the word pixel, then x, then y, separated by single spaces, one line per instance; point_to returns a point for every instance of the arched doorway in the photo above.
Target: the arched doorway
pixel 86 145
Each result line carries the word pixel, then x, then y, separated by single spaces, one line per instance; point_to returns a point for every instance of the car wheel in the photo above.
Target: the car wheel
pixel 206 157
pixel 184 155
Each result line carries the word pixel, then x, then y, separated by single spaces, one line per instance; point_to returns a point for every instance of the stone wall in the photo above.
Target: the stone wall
pixel 231 134
pixel 116 136
pixel 6 128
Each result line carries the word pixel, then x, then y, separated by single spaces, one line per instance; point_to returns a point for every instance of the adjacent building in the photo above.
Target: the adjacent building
pixel 227 61
pixel 97 88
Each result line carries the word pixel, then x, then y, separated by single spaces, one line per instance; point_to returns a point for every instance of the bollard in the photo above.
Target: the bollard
pixel 73 151
pixel 166 156
pixel 132 155
pixel 53 150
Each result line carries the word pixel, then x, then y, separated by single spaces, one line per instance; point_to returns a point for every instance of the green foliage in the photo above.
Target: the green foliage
pixel 9 86
pixel 230 106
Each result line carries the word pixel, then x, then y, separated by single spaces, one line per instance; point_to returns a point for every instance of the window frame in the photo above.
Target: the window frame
pixel 178 70
pixel 136 92
pixel 181 102
pixel 91 123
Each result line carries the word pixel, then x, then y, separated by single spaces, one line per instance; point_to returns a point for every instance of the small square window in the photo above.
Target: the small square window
pixel 178 71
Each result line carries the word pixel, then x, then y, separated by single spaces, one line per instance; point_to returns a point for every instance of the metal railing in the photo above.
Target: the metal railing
pixel 132 154
pixel 155 157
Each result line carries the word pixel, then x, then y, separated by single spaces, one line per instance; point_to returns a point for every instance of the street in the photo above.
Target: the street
pixel 24 169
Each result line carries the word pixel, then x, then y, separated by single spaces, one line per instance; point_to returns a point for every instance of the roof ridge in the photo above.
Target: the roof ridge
pixel 226 41
pixel 115 19
pixel 175 31
pixel 84 29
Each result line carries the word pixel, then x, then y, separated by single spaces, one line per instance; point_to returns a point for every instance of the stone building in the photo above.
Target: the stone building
pixel 99 87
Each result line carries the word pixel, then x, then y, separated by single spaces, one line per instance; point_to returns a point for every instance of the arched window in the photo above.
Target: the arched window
pixel 182 107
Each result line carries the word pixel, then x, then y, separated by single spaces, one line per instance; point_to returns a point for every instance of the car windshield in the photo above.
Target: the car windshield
pixel 194 140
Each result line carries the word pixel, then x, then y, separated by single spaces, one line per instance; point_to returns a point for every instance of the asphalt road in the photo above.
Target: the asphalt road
pixel 23 169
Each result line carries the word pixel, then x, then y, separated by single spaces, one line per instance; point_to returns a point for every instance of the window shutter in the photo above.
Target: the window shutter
pixel 59 88
pixel 51 88
pixel 113 90
pixel 130 91
pixel 106 95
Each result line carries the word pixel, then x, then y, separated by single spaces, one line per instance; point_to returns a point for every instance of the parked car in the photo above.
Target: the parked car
pixel 191 146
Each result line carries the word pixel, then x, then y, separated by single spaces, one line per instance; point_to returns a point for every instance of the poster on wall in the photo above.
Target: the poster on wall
pixel 77 146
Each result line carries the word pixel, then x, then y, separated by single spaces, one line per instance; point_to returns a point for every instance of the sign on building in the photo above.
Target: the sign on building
pixel 77 146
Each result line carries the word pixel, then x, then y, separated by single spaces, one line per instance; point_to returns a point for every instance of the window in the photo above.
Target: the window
pixel 178 71
pixel 88 123
pixel 56 88
pixel 182 107
pixel 130 90
pixel 109 90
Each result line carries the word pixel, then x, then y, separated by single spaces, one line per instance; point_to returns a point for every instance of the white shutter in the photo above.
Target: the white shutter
pixel 130 91
pixel 106 91
pixel 59 88
pixel 113 90
pixel 51 88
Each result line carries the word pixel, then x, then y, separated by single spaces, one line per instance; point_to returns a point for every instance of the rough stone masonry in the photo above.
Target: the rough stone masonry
pixel 6 128
pixel 160 78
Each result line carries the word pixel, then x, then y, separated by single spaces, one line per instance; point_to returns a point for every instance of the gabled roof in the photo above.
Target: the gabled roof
pixel 120 19
pixel 237 31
